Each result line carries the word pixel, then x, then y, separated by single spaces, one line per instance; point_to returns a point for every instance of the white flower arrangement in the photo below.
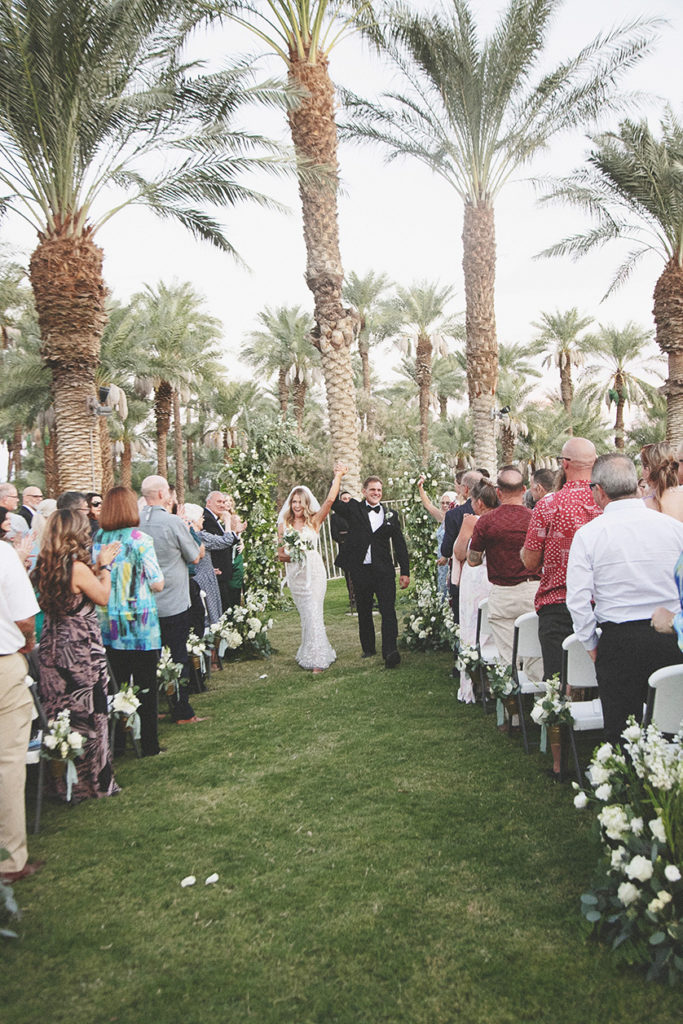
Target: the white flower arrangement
pixel 636 899
pixel 501 684
pixel 168 672
pixel 124 705
pixel 245 627
pixel 551 708
pixel 428 623
pixel 468 659
pixel 62 743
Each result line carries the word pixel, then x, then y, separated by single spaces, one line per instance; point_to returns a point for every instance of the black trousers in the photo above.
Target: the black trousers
pixel 175 630
pixel 455 601
pixel 369 581
pixel 142 666
pixel 628 653
pixel 554 626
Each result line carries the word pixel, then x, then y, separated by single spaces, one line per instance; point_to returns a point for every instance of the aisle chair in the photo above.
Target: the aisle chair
pixel 525 644
pixel 664 707
pixel 578 672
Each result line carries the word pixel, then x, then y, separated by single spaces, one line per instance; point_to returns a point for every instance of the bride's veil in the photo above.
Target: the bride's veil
pixel 312 500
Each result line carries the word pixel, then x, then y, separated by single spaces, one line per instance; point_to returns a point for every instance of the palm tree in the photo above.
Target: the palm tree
pixel 421 312
pixel 633 187
pixel 559 339
pixel 620 351
pixel 97 112
pixel 302 33
pixel 364 294
pixel 282 347
pixel 472 112
pixel 448 381
pixel 512 393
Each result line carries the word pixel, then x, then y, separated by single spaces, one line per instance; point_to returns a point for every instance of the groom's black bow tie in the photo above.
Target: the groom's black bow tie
pixel 373 508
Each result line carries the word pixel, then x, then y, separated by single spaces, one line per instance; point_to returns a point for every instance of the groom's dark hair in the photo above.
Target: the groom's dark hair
pixel 370 480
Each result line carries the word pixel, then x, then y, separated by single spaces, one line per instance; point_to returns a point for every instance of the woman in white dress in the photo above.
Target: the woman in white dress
pixel 306 578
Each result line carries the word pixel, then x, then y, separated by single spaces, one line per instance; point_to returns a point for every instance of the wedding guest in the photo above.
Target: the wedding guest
pixel 94 509
pixel 31 498
pixel 660 471
pixel 9 499
pixel 130 621
pixel 554 521
pixel 339 529
pixel 500 536
pixel 446 500
pixel 452 523
pixel 214 511
pixel 73 666
pixel 542 483
pixel 205 575
pixel 620 570
pixel 18 608
pixel 236 582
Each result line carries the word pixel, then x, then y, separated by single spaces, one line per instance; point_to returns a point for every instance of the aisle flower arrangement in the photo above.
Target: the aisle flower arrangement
pixel 635 902
pixel 502 686
pixel 428 624
pixel 419 526
pixel 468 660
pixel 245 627
pixel 124 705
pixel 63 744
pixel 168 673
pixel 550 709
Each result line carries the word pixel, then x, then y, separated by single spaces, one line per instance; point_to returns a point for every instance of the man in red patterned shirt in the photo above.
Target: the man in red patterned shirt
pixel 554 521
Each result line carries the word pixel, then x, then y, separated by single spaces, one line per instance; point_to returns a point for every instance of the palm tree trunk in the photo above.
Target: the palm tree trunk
pixel 178 449
pixel 283 391
pixel 368 408
pixel 69 291
pixel 314 134
pixel 127 463
pixel 619 419
pixel 423 377
pixel 668 314
pixel 17 441
pixel 50 463
pixel 107 456
pixel 443 407
pixel 163 394
pixel 479 266
pixel 507 444
pixel 300 389
pixel 566 387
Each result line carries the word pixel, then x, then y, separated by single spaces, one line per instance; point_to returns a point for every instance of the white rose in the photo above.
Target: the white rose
pixel 599 775
pixel 580 800
pixel 636 826
pixel 640 868
pixel 664 897
pixel 617 858
pixel 671 873
pixel 628 893
pixel 50 742
pixel 655 905
pixel 604 792
pixel 632 733
pixel 614 821
pixel 603 753
pixel 657 829
pixel 538 715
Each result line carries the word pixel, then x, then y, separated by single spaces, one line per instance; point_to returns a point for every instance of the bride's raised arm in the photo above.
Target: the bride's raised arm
pixel 324 510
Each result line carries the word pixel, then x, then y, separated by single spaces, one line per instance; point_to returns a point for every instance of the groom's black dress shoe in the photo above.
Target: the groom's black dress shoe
pixel 392 659
pixel 369 654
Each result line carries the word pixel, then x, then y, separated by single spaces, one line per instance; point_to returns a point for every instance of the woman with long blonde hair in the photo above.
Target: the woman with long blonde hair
pixel 660 472
pixel 73 667
pixel 305 571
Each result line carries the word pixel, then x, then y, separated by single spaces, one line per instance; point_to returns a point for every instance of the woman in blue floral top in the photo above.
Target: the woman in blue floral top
pixel 130 622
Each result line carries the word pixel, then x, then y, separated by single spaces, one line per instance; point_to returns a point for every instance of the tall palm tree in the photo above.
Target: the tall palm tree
pixel 364 294
pixel 302 33
pixel 448 381
pixel 97 112
pixel 621 352
pixel 515 385
pixel 424 324
pixel 558 337
pixel 281 346
pixel 474 112
pixel 633 187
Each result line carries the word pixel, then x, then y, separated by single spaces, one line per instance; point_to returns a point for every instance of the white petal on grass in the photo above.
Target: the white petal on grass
pixel 188 880
pixel 211 879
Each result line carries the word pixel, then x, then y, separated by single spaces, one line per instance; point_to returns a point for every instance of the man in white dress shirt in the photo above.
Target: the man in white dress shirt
pixel 623 561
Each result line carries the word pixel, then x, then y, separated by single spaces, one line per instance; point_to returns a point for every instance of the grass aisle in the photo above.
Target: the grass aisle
pixel 384 855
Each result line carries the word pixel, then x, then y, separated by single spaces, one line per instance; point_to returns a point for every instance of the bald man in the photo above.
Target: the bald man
pixel 554 521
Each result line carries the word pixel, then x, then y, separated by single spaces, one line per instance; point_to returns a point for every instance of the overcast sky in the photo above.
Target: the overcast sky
pixel 401 220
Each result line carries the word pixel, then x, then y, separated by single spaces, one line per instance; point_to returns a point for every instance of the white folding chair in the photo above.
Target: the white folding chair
pixel 665 699
pixel 488 652
pixel 578 672
pixel 525 644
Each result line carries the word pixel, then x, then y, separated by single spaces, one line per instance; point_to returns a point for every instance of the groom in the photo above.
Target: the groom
pixel 367 556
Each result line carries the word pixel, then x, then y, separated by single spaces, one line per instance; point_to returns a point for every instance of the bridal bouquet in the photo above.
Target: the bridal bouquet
pixel 124 705
pixel 636 899
pixel 62 743
pixel 296 546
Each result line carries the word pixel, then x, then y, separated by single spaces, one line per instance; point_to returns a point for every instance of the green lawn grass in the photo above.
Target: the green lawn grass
pixel 385 855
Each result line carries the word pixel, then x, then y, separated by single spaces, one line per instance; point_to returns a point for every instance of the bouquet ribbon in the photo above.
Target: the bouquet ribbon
pixel 500 714
pixel 544 738
pixel 71 777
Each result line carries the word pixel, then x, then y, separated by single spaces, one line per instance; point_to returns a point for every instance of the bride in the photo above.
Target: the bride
pixel 305 570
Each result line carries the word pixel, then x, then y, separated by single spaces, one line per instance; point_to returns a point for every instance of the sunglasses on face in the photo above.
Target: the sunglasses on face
pixel 95 504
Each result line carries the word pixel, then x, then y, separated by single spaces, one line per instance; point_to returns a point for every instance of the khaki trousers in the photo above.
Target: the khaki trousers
pixel 505 604
pixel 16 712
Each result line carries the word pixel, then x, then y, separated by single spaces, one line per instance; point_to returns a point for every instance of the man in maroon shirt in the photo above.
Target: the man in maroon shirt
pixel 499 535
pixel 554 521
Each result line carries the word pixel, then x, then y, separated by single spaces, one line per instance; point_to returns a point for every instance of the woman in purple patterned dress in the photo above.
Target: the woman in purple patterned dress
pixel 73 668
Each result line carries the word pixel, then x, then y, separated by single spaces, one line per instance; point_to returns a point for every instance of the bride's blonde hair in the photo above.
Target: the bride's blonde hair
pixel 299 492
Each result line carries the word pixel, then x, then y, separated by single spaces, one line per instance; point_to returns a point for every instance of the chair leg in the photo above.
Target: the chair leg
pixel 575 754
pixel 522 722
pixel 39 796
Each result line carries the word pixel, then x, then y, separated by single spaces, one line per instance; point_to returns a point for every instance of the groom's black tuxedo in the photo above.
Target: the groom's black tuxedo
pixel 378 576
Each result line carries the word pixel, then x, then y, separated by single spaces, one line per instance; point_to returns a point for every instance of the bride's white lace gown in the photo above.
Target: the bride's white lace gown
pixel 308 583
